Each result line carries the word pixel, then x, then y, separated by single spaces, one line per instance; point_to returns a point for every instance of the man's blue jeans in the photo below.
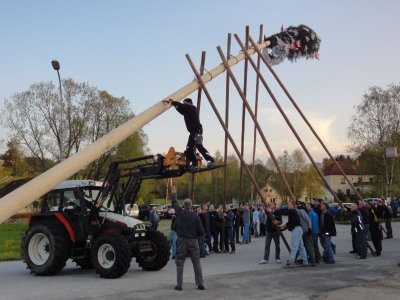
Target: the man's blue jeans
pixel 246 225
pixel 327 243
pixel 297 244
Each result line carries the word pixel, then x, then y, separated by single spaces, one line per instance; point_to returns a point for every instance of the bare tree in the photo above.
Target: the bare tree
pixel 376 124
pixel 107 113
pixel 23 115
pixel 33 116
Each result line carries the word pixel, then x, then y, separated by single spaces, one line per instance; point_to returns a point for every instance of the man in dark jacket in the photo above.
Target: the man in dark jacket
pixel 230 240
pixel 328 230
pixel 362 208
pixel 193 125
pixel 272 220
pixel 387 217
pixel 205 220
pixel 237 223
pixel 189 229
pixel 296 243
pixel 213 227
pixel 201 239
pixel 357 231
pixel 375 227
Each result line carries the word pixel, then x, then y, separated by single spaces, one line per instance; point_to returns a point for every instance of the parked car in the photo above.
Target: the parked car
pixel 132 212
pixel 159 210
pixel 167 211
pixel 347 205
pixel 372 200
pixel 144 211
pixel 334 208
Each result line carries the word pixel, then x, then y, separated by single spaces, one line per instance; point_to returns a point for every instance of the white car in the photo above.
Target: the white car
pixel 132 211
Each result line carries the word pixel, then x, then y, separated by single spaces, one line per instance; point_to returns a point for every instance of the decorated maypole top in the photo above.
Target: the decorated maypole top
pixel 292 43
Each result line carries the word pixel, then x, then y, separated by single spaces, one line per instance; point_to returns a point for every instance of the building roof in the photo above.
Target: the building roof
pixel 348 167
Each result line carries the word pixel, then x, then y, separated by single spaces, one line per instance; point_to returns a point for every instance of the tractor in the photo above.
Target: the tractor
pixel 87 221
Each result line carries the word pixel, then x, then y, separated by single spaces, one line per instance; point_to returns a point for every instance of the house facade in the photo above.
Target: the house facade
pixel 339 184
pixel 270 195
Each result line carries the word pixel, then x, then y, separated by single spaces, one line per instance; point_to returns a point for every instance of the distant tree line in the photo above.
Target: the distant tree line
pixel 33 118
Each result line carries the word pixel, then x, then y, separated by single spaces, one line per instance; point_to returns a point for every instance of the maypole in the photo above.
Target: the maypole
pixel 34 189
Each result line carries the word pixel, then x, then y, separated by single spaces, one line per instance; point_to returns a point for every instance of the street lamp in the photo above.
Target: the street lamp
pixel 391 152
pixel 56 66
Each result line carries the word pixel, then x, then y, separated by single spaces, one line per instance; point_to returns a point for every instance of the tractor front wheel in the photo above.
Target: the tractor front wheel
pixel 111 255
pixel 158 257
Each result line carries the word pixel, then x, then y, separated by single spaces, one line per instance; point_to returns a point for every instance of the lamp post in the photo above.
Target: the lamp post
pixel 56 66
pixel 390 152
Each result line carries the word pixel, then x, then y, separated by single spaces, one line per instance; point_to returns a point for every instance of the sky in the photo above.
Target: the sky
pixel 136 50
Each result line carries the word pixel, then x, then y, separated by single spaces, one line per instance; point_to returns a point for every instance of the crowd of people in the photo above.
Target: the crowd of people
pixel 311 225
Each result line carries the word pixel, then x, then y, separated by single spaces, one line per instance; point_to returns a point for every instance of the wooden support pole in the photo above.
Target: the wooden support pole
pixel 229 135
pixel 199 92
pixel 243 115
pixel 305 118
pixel 227 95
pixel 256 111
pixel 294 131
pixel 35 188
pixel 250 111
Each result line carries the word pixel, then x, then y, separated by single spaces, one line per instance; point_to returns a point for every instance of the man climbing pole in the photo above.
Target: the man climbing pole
pixel 193 125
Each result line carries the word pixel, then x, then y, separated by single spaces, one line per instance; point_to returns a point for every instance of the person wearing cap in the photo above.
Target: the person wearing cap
pixel 189 230
pixel 193 125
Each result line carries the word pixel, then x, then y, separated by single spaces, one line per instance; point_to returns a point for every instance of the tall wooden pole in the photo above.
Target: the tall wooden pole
pixel 34 189
pixel 256 113
pixel 243 117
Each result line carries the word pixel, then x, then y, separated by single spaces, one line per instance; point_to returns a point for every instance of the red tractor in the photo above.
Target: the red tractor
pixel 86 221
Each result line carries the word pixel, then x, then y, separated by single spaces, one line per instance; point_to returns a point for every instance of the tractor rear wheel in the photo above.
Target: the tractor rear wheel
pixel 111 255
pixel 45 248
pixel 158 257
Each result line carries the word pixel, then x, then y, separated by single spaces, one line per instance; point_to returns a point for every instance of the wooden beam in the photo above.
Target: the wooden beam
pixel 34 189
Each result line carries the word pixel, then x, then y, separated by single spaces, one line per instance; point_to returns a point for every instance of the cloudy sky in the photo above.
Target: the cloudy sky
pixel 136 49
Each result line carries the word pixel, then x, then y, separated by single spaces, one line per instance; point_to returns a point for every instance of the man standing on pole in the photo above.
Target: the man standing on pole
pixel 193 125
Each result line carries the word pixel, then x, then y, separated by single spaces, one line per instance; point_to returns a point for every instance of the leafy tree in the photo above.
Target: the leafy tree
pixel 312 182
pixel 298 164
pixel 13 157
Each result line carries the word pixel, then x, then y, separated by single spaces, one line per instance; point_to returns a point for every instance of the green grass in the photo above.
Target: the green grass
pixel 165 227
pixel 10 238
